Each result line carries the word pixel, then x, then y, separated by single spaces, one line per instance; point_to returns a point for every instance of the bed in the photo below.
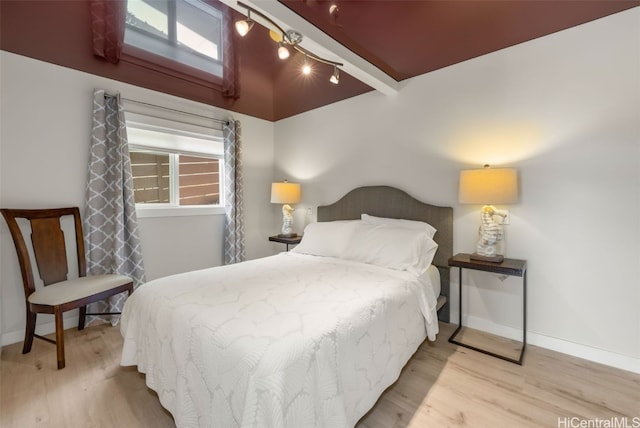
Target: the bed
pixel 292 340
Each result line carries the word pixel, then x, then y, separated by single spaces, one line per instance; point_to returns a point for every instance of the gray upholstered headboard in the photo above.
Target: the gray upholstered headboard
pixel 386 201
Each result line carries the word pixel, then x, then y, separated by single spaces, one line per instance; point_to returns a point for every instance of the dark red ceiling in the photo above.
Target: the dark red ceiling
pixel 408 38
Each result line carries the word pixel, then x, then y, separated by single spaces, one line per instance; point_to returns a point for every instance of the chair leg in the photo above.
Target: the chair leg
pixel 29 331
pixel 59 337
pixel 81 317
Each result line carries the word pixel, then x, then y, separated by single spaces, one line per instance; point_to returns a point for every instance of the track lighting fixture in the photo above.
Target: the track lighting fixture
pixel 245 25
pixel 293 37
pixel 288 39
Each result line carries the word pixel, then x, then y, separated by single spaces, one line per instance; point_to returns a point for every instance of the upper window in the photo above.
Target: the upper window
pixel 185 31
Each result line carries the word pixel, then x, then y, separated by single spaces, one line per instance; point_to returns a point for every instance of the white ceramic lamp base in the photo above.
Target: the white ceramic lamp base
pixel 491 235
pixel 287 222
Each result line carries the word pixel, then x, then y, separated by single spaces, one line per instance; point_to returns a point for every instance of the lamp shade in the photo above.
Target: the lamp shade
pixel 488 186
pixel 285 193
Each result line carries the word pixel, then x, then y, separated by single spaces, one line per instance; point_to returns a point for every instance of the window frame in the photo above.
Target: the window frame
pixel 147 122
pixel 171 64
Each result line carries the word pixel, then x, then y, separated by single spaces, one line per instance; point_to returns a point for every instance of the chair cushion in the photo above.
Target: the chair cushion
pixel 74 289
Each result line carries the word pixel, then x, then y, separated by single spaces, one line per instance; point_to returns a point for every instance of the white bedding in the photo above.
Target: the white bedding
pixel 434 279
pixel 290 340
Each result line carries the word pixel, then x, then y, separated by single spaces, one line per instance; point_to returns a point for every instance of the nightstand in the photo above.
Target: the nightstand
pixel 511 267
pixel 288 241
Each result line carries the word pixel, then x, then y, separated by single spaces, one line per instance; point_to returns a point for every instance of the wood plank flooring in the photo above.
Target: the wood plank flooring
pixel 442 386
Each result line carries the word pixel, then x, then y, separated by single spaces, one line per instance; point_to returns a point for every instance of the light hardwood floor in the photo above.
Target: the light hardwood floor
pixel 442 386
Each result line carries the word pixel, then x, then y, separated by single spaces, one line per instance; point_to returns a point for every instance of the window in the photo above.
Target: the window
pixel 170 178
pixel 185 31
pixel 174 165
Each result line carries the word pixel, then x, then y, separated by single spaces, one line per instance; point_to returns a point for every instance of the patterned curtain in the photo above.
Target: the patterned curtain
pixel 234 222
pixel 110 226
pixel 107 26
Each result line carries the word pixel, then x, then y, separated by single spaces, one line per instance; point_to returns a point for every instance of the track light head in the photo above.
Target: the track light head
pixel 283 52
pixel 335 77
pixel 245 25
pixel 306 68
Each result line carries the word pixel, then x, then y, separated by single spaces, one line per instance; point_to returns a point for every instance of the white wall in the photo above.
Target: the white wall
pixel 565 111
pixel 44 146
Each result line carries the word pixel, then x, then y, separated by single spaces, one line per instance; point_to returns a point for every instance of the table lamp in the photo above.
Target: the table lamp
pixel 286 193
pixel 489 186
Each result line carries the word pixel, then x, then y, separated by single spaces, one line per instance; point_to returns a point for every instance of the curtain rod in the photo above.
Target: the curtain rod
pixel 176 110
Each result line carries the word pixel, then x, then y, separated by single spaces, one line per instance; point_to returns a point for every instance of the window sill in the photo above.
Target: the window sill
pixel 184 211
pixel 164 66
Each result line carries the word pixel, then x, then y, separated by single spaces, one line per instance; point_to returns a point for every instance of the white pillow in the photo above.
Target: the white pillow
pixel 392 247
pixel 328 238
pixel 407 224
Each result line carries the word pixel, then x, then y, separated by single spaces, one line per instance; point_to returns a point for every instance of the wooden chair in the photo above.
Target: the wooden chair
pixel 59 294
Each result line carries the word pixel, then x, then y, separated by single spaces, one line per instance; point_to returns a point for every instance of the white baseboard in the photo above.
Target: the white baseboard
pixel 41 329
pixel 590 353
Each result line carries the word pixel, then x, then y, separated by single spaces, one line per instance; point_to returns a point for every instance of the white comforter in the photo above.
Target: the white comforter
pixel 286 341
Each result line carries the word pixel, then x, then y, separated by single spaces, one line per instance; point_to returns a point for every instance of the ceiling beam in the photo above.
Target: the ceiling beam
pixel 321 44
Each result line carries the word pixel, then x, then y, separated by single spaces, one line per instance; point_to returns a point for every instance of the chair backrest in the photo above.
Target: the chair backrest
pixel 47 239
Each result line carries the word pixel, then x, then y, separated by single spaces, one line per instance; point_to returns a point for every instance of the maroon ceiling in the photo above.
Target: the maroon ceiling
pixel 402 38
pixel 408 38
